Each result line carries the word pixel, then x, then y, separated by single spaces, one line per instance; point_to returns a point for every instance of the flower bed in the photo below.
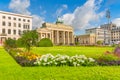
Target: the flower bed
pixel 108 59
pixel 31 59
pixel 60 60
pixel 26 59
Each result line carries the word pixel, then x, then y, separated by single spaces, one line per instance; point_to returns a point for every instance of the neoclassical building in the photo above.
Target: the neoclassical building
pixel 86 39
pixel 93 35
pixel 58 33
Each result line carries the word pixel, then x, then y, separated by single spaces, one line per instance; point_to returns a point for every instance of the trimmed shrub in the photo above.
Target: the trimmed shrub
pixel 108 59
pixel 10 43
pixel 99 42
pixel 45 42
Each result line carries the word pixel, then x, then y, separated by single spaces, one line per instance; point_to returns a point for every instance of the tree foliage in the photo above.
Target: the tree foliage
pixel 28 39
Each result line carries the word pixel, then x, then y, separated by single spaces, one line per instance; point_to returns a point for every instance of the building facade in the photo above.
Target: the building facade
pixel 115 32
pixel 58 33
pixel 100 34
pixel 12 25
pixel 93 35
pixel 86 39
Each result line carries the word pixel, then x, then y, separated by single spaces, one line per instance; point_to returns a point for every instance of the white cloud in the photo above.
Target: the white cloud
pixel 37 20
pixel 21 6
pixel 60 10
pixel 83 15
pixel 117 21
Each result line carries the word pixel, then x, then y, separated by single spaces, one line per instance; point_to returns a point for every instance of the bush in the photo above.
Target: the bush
pixel 45 42
pixel 99 42
pixel 108 59
pixel 10 43
pixel 117 51
pixel 113 45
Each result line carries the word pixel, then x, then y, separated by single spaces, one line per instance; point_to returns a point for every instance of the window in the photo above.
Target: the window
pixel 14 18
pixel 9 31
pixel 14 24
pixel 3 23
pixel 24 20
pixel 24 26
pixel 9 18
pixel 3 17
pixel 19 25
pixel 3 31
pixel 98 33
pixel 14 31
pixel 28 26
pixel 19 19
pixel 9 24
pixel 19 32
pixel 28 20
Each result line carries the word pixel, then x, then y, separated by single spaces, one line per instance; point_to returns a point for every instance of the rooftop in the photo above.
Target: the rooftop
pixel 15 14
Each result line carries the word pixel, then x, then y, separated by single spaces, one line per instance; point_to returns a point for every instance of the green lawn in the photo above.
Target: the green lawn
pixel 88 51
pixel 10 70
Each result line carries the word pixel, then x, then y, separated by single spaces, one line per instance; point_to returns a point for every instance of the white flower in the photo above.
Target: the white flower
pixel 74 63
pixel 63 61
pixel 78 64
pixel 91 59
pixel 45 59
pixel 82 61
pixel 44 64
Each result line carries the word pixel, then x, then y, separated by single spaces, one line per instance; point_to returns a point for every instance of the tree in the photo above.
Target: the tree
pixel 28 39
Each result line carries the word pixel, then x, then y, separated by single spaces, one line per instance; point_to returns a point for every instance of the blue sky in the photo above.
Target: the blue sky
pixel 80 14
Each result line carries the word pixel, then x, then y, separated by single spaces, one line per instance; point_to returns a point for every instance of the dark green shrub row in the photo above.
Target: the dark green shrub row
pixel 45 42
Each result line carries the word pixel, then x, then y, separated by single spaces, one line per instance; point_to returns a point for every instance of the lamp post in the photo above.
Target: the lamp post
pixel 108 25
pixel 104 37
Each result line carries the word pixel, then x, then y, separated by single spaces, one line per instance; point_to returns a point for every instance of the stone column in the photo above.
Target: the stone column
pixel 46 35
pixel 52 37
pixel 58 39
pixel 63 37
pixel 41 35
pixel 49 36
pixel 68 37
pixel 72 36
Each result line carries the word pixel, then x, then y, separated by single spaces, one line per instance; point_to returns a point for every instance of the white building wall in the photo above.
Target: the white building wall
pixel 7 20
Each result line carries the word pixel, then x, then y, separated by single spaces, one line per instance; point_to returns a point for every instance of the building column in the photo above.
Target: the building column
pixel 49 36
pixel 41 35
pixel 46 35
pixel 58 39
pixel 72 36
pixel 52 36
pixel 63 37
pixel 68 37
